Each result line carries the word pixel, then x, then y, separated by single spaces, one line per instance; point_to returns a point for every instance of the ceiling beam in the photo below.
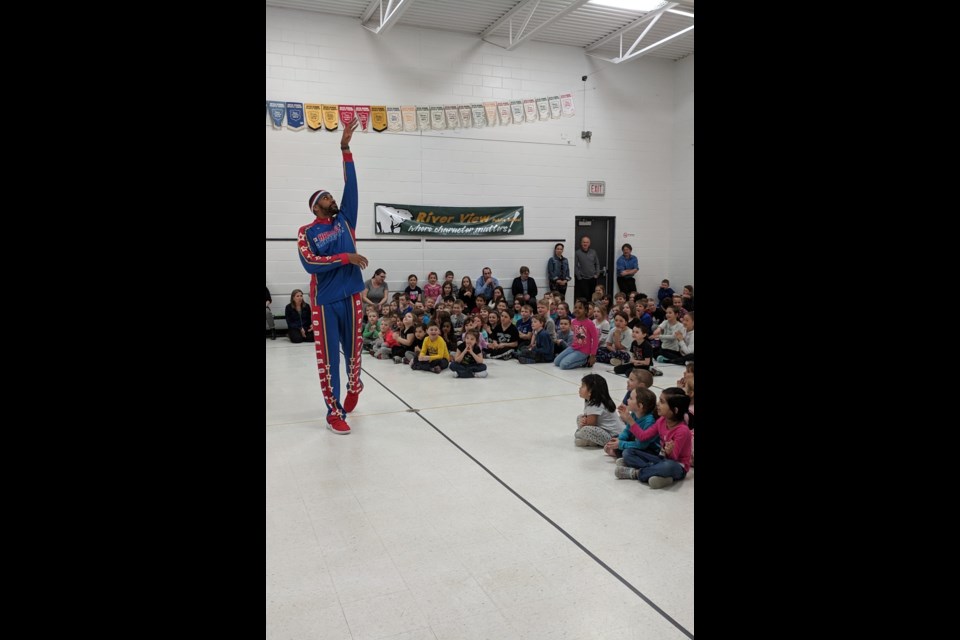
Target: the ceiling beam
pixel 636 23
pixel 391 16
pixel 369 10
pixel 652 46
pixel 509 14
pixel 576 4
pixel 524 27
pixel 639 38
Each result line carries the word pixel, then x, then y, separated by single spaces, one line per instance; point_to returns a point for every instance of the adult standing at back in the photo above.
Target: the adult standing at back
pixel 586 270
pixel 558 271
pixel 524 288
pixel 627 266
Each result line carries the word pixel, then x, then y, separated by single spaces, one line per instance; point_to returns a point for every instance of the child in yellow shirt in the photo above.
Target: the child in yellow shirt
pixel 434 355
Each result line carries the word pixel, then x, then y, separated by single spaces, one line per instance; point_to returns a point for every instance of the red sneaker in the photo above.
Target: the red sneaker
pixel 350 403
pixel 337 425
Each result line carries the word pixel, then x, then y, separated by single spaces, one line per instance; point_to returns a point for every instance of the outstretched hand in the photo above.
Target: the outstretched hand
pixel 348 132
pixel 357 259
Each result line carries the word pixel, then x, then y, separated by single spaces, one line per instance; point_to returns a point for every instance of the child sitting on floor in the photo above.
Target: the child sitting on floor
pixel 641 407
pixel 675 435
pixel 468 358
pixel 599 421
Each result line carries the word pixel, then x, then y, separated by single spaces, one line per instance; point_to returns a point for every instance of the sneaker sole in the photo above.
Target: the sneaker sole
pixel 659 482
pixel 339 433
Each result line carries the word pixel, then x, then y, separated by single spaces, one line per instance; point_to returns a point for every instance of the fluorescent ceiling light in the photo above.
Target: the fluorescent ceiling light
pixel 633 5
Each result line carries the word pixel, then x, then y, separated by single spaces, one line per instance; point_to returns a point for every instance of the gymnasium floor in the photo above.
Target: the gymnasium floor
pixel 429 520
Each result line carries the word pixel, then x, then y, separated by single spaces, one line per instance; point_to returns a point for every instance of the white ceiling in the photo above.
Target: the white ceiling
pixel 585 26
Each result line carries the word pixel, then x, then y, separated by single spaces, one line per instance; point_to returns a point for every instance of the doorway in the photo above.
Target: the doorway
pixel 601 230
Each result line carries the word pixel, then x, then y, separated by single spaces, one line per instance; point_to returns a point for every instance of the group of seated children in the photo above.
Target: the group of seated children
pixel 431 335
pixel 670 327
pixel 427 333
pixel 651 439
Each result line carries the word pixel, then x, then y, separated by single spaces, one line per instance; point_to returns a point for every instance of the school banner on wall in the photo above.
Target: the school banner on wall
pixel 450 222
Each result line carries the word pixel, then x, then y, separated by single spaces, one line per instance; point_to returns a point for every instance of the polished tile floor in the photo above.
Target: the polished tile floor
pixel 429 521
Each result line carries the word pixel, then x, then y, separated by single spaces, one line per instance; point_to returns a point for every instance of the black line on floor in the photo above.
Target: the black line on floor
pixel 616 575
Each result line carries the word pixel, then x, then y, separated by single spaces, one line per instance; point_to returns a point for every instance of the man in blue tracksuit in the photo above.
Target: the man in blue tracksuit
pixel 327 249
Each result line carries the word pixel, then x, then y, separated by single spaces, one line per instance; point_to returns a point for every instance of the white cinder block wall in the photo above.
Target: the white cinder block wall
pixel 680 261
pixel 640 113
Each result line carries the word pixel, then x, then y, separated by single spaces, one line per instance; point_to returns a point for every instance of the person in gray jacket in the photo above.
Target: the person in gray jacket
pixel 586 269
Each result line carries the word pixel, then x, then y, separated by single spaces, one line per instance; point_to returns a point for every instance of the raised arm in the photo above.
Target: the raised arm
pixel 640 433
pixel 349 202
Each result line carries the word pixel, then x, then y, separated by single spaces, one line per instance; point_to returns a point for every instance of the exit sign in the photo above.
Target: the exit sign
pixel 596 188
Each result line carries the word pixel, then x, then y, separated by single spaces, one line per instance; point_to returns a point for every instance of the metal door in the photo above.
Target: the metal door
pixel 600 230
